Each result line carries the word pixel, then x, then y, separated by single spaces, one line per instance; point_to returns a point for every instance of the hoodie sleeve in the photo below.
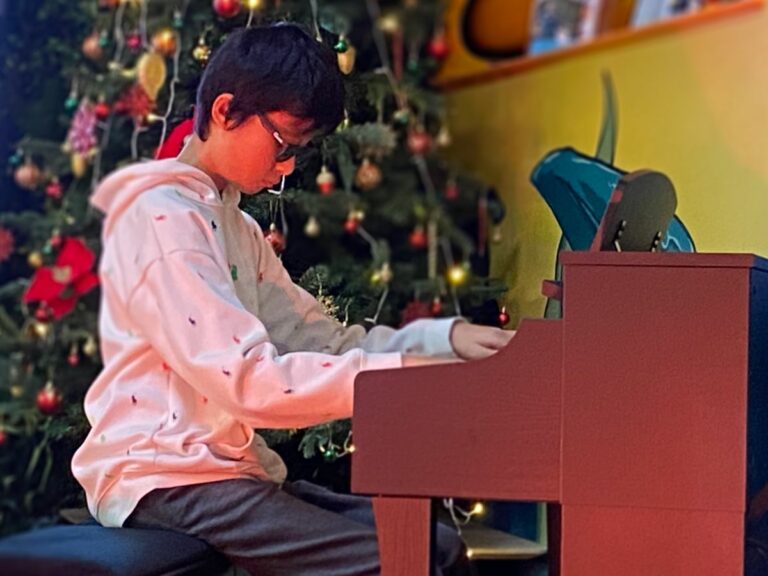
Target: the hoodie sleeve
pixel 296 320
pixel 188 311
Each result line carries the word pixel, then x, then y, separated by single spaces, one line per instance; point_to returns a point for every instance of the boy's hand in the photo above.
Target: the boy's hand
pixel 473 342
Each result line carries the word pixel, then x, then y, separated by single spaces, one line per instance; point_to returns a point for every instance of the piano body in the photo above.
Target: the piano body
pixel 641 416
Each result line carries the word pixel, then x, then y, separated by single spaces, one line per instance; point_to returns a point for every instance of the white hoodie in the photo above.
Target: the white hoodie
pixel 204 337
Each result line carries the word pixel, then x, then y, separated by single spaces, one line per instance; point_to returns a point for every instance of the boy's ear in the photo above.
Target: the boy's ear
pixel 220 111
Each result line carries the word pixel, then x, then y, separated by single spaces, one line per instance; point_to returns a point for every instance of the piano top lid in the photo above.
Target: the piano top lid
pixel 665 259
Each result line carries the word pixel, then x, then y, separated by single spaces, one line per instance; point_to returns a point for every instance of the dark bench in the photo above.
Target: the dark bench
pixel 92 550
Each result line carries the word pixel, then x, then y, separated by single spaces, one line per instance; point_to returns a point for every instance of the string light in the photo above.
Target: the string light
pixel 460 516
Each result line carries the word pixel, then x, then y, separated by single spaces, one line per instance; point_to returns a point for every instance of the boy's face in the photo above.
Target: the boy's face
pixel 246 156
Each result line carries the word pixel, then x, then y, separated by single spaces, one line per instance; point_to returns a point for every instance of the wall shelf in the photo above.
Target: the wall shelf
pixel 485 71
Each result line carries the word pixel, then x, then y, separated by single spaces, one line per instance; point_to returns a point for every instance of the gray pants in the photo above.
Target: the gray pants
pixel 300 529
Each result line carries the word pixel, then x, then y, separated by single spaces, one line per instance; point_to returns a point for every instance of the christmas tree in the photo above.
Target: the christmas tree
pixel 373 221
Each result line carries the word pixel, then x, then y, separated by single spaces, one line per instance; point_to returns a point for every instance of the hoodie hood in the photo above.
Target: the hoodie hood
pixel 116 192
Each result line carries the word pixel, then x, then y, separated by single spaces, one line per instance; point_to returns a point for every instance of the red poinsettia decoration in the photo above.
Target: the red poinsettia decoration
pixel 59 286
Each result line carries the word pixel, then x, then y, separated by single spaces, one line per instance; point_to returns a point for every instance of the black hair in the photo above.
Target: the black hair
pixel 270 68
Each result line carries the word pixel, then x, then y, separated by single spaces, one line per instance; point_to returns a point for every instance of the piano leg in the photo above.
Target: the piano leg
pixel 404 529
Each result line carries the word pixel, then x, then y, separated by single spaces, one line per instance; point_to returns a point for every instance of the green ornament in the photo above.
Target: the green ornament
pixel 329 454
pixel 16 159
pixel 103 40
pixel 341 45
pixel 233 271
pixel 178 21
pixel 47 249
pixel 402 116
pixel 70 105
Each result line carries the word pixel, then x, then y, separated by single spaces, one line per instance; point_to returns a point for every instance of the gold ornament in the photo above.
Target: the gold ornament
pixel 39 330
pixel 92 47
pixel 79 164
pixel 368 175
pixel 385 273
pixel 253 4
pixel 151 72
pixel 443 137
pixel 17 391
pixel 164 41
pixel 312 227
pixel 35 259
pixel 90 348
pixel 347 60
pixel 28 176
pixel 201 52
pixel 389 23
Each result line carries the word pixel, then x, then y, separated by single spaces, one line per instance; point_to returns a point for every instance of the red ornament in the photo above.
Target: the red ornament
pixel 43 313
pixel 368 175
pixel 92 47
pixel 275 238
pixel 418 238
pixel 413 311
pixel 419 141
pixel 101 110
pixel 3 437
pixel 451 191
pixel 503 316
pixel 7 244
pixel 55 241
pixel 351 224
pixel 176 140
pixel 54 189
pixel 437 306
pixel 227 8
pixel 325 180
pixel 438 46
pixel 73 359
pixel 49 400
pixel 133 41
pixel 61 285
pixel 136 103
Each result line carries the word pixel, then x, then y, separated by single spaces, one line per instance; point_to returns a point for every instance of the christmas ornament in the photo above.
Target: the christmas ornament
pixel 136 103
pixel 3 437
pixel 164 42
pixel 346 59
pixel 28 175
pixel 418 238
pixel 151 71
pixel 133 41
pixel 35 259
pixel 457 274
pixel 382 275
pixel 7 244
pixel 16 159
pixel 49 400
pixel 176 140
pixel 325 181
pixel 227 8
pixel 496 236
pixel 79 165
pixel 402 116
pixel 90 348
pixel 92 48
pixel 108 4
pixel 178 20
pixel 81 138
pixel 43 313
pixel 253 4
pixel 503 316
pixel 451 191
pixel 368 175
pixel 17 391
pixel 389 23
pixel 413 311
pixel 74 358
pixel 419 141
pixel 275 238
pixel 312 227
pixel 55 241
pixel 341 45
pixel 38 330
pixel 443 138
pixel 71 103
pixel 60 286
pixel 101 110
pixel 202 52
pixel 352 223
pixel 437 306
pixel 438 46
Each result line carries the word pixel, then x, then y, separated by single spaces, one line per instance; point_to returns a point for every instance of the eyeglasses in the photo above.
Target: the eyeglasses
pixel 285 151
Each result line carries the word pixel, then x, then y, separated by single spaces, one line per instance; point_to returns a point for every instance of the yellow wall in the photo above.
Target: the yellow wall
pixel 693 104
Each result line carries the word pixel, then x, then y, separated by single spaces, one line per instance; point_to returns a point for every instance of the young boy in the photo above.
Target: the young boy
pixel 205 337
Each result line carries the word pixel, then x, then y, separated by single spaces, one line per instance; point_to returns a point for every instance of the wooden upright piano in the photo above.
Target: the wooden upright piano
pixel 641 416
